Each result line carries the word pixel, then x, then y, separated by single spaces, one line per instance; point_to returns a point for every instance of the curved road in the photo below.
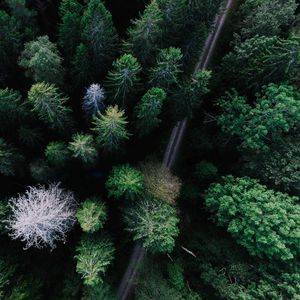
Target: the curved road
pixel 175 140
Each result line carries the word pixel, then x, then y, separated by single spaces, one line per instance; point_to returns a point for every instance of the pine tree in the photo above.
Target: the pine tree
pixel 110 128
pixel 42 61
pixel 123 78
pixel 125 181
pixel 92 214
pixel 167 68
pixel 57 154
pixel 49 105
pixel 148 110
pixel 94 255
pixel 82 147
pixel 99 34
pixel 144 36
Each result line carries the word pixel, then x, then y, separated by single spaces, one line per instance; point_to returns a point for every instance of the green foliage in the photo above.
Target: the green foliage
pixel 100 291
pixel 144 36
pixel 83 148
pixel 94 255
pixel 267 17
pixel 155 223
pixel 69 28
pixel 110 128
pixel 6 272
pixel 10 159
pixel 41 171
pixel 176 276
pixel 30 137
pixel 99 34
pixel 148 109
pixel 167 68
pixel 49 105
pixel 276 111
pixel 42 61
pixel 263 221
pixel 4 212
pixel 260 60
pixel 205 170
pixel 57 154
pixel 92 214
pixel 125 181
pixel 26 290
pixel 123 78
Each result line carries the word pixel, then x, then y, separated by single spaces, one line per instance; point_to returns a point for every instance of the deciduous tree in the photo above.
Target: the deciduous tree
pixel 93 100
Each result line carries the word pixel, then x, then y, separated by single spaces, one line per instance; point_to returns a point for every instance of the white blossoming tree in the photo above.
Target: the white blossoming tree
pixel 93 100
pixel 42 216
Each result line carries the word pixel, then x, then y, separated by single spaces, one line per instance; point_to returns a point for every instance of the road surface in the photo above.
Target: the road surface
pixel 175 140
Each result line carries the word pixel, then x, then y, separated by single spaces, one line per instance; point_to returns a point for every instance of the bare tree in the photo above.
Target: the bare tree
pixel 93 101
pixel 42 216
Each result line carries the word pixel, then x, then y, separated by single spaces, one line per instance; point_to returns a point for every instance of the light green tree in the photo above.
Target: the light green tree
pixel 125 181
pixel 110 128
pixel 42 61
pixel 265 222
pixel 148 109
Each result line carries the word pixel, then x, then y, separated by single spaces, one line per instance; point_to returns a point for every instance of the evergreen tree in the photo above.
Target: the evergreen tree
pixel 30 137
pixel 155 223
pixel 110 128
pixel 167 68
pixel 83 148
pixel 263 221
pixel 144 36
pixel 94 255
pixel 49 105
pixel 93 100
pixel 123 78
pixel 57 154
pixel 99 34
pixel 276 112
pixel 92 214
pixel 41 171
pixel 42 61
pixel 125 181
pixel 69 28
pixel 148 109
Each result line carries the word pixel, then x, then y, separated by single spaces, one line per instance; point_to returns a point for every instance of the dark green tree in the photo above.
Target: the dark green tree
pixel 263 221
pixel 148 109
pixel 92 214
pixel 50 106
pixel 154 222
pixel 145 34
pixel 99 34
pixel 124 78
pixel 94 255
pixel 110 128
pixel 57 154
pixel 167 68
pixel 125 181
pixel 42 61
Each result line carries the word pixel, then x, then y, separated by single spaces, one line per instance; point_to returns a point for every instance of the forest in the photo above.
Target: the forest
pixel 148 150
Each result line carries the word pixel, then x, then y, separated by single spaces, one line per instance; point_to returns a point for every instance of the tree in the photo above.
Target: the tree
pixel 160 183
pixel 148 109
pixel 69 28
pixel 100 291
pixel 144 36
pixel 7 271
pixel 205 170
pixel 125 181
pixel 94 255
pixel 263 221
pixel 110 128
pixel 276 112
pixel 10 159
pixel 99 34
pixel 92 214
pixel 30 136
pixel 42 61
pixel 266 17
pixel 260 60
pixel 93 100
pixel 49 105
pixel 155 223
pixel 41 171
pixel 83 148
pixel 123 78
pixel 167 68
pixel 57 154
pixel 42 216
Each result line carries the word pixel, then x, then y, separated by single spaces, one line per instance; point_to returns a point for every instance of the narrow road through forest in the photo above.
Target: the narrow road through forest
pixel 138 253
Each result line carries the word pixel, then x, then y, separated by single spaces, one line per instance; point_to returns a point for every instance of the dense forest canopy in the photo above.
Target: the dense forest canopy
pixel 91 93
